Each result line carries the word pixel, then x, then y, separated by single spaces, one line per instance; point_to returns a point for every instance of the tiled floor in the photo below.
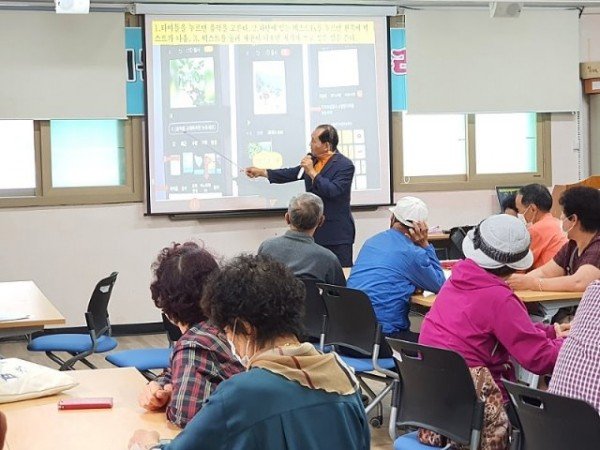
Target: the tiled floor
pixel 379 437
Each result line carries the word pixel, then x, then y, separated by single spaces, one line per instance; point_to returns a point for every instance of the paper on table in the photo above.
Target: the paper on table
pixel 7 316
pixel 447 274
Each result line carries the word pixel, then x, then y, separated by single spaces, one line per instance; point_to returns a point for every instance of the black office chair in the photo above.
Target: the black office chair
pixel 351 324
pixel 552 422
pixel 457 235
pixel 315 314
pixel 80 346
pixel 435 392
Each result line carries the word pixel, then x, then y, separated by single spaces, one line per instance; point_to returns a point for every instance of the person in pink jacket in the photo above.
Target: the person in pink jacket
pixel 477 315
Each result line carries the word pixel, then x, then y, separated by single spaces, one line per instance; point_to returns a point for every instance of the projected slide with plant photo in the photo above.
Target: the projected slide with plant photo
pixel 225 93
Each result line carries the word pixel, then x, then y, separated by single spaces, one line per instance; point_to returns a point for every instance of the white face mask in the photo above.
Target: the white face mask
pixel 563 225
pixel 244 360
pixel 522 216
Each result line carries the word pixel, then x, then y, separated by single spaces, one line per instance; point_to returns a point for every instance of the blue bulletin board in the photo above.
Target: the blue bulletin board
pixel 398 68
pixel 135 71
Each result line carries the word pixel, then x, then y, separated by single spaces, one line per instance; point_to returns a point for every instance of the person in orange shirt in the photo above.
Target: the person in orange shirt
pixel 534 203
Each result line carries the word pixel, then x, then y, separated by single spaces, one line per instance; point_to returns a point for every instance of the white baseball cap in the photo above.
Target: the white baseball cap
pixel 500 240
pixel 409 210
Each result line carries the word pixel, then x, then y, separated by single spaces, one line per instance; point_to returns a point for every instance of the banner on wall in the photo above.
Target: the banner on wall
pixel 135 71
pixel 398 68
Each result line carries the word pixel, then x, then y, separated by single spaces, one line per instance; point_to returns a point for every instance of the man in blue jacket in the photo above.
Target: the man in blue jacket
pixel 394 263
pixel 328 174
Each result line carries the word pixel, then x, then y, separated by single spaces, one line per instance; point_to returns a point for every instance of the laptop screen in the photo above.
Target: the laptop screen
pixel 505 191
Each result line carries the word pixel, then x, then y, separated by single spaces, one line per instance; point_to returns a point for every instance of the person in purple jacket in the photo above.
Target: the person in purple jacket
pixel 477 315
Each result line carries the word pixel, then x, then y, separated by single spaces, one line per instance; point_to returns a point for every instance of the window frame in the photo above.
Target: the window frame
pixel 46 195
pixel 472 180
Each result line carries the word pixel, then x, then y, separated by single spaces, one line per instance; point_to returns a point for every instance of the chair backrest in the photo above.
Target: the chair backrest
pixel 457 235
pixel 173 331
pixel 552 422
pixel 351 321
pixel 97 311
pixel 437 391
pixel 315 313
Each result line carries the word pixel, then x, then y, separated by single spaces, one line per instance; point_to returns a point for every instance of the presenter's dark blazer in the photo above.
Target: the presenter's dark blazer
pixel 333 184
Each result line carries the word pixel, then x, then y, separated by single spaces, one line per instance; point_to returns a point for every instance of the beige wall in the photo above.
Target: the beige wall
pixel 65 250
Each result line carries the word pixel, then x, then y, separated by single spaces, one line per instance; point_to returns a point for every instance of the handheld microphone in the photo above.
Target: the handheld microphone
pixel 301 171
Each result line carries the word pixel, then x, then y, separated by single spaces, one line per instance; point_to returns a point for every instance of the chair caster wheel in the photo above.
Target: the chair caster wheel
pixel 376 422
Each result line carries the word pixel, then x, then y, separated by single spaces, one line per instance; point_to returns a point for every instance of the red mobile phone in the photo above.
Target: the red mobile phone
pixel 86 403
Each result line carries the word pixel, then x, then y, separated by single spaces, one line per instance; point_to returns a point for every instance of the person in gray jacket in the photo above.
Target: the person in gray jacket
pixel 297 248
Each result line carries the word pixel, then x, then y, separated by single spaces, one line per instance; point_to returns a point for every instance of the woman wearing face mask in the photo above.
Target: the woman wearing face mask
pixel 577 263
pixel 291 397
pixel 201 358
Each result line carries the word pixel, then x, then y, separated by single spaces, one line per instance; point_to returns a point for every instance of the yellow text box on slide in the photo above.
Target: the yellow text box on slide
pixel 196 32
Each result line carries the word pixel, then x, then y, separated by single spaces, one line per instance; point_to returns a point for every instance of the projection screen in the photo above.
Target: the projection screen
pixel 225 92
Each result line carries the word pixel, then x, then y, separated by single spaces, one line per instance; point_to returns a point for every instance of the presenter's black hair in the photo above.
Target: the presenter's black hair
pixel 329 135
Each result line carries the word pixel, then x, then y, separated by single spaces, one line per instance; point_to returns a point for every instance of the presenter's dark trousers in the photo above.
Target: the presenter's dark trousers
pixel 343 253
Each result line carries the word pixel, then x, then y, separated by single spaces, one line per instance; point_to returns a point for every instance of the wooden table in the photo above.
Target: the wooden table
pixel 38 424
pixel 438 236
pixel 25 297
pixel 527 297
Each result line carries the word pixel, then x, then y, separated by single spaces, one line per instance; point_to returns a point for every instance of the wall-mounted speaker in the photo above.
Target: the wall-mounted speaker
pixel 505 9
pixel 72 6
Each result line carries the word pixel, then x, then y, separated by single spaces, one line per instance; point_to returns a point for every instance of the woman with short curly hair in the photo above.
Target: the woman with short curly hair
pixel 201 358
pixel 291 397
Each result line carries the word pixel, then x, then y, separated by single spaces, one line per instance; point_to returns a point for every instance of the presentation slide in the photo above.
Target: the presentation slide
pixel 225 93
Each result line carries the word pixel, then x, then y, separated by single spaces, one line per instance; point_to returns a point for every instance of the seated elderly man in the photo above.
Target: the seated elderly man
pixel 577 263
pixel 394 263
pixel 547 238
pixel 297 248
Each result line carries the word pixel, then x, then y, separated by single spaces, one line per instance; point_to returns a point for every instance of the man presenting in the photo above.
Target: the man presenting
pixel 328 174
